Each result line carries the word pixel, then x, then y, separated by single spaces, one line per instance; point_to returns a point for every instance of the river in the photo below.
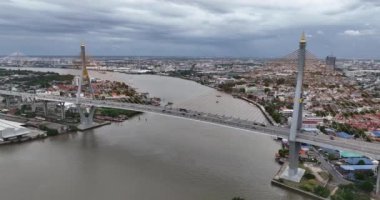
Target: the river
pixel 152 157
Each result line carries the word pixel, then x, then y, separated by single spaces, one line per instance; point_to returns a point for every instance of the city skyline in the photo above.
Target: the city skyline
pixel 196 29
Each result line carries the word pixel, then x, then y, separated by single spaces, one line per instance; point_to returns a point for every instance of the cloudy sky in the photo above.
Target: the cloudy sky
pixel 237 28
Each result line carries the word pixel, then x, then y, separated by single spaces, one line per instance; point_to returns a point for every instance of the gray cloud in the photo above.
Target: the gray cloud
pixel 179 27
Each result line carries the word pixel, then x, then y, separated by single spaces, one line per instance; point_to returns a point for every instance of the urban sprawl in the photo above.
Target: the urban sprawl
pixel 341 98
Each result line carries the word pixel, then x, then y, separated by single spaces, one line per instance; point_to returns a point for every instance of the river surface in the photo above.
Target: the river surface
pixel 151 157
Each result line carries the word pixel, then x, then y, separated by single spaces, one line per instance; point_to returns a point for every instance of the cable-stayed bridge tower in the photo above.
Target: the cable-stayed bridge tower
pixel 84 86
pixel 294 173
pixel 85 89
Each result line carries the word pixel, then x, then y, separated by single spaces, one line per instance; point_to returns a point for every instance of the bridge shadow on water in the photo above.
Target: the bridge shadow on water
pixel 89 139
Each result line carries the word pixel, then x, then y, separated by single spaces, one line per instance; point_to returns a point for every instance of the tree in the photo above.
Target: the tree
pixel 309 185
pixel 266 90
pixel 283 152
pixel 359 176
pixel 322 129
pixel 280 81
pixel 361 162
pixel 321 191
pixel 332 156
pixel 345 192
pixel 227 87
pixel 309 176
pixel 366 186
pixel 51 132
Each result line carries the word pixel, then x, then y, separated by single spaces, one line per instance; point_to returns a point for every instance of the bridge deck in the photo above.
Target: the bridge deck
pixel 366 148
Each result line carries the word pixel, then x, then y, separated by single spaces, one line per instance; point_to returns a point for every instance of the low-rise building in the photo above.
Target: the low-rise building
pixel 9 129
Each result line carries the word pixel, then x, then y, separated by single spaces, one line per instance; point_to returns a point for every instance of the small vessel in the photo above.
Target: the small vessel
pixel 218 95
pixel 278 159
pixel 277 138
pixel 217 101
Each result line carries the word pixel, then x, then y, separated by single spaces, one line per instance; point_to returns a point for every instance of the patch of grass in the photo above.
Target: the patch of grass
pixel 308 185
pixel 350 192
pixel 112 112
pixel 321 191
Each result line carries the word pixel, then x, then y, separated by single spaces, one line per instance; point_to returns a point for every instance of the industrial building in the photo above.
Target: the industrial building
pixel 10 130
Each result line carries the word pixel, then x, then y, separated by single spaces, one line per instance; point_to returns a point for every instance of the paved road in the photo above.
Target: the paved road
pixel 338 178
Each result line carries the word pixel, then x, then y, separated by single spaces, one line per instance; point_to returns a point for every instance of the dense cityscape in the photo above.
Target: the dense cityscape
pixel 340 100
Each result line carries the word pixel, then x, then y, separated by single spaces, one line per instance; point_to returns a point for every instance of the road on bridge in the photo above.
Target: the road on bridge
pixel 369 149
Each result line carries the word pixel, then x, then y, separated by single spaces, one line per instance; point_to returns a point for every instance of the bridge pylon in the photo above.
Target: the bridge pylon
pixel 294 173
pixel 63 111
pixel 45 108
pixel 84 87
pixel 7 101
pixel 86 116
pixel 33 104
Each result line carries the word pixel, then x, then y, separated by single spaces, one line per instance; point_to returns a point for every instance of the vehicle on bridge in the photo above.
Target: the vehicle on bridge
pixel 183 110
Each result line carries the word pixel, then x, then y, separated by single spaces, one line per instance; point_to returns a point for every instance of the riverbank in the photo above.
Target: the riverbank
pixel 94 125
pixel 298 187
pixel 115 115
pixel 33 135
pixel 41 128
pixel 299 191
pixel 267 116
pixel 262 109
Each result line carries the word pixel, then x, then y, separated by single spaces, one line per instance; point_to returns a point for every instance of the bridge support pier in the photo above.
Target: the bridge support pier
pixel 62 107
pixel 20 102
pixel 45 107
pixel 7 101
pixel 294 148
pixel 292 172
pixel 378 180
pixel 86 118
pixel 33 105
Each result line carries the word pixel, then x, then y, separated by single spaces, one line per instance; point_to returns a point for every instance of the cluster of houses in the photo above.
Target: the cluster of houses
pixel 368 121
pixel 348 164
pixel 103 89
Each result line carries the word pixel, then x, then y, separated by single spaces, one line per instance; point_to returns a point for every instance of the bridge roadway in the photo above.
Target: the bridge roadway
pixel 369 149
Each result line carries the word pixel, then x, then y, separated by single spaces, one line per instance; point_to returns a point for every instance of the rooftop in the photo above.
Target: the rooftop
pixel 348 154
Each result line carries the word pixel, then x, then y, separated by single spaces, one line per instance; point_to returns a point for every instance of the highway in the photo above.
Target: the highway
pixel 369 149
pixel 338 178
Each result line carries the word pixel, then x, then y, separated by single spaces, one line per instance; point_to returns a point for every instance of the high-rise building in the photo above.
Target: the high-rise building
pixel 330 61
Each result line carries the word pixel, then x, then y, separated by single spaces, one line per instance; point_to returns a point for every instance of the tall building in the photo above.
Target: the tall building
pixel 330 61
